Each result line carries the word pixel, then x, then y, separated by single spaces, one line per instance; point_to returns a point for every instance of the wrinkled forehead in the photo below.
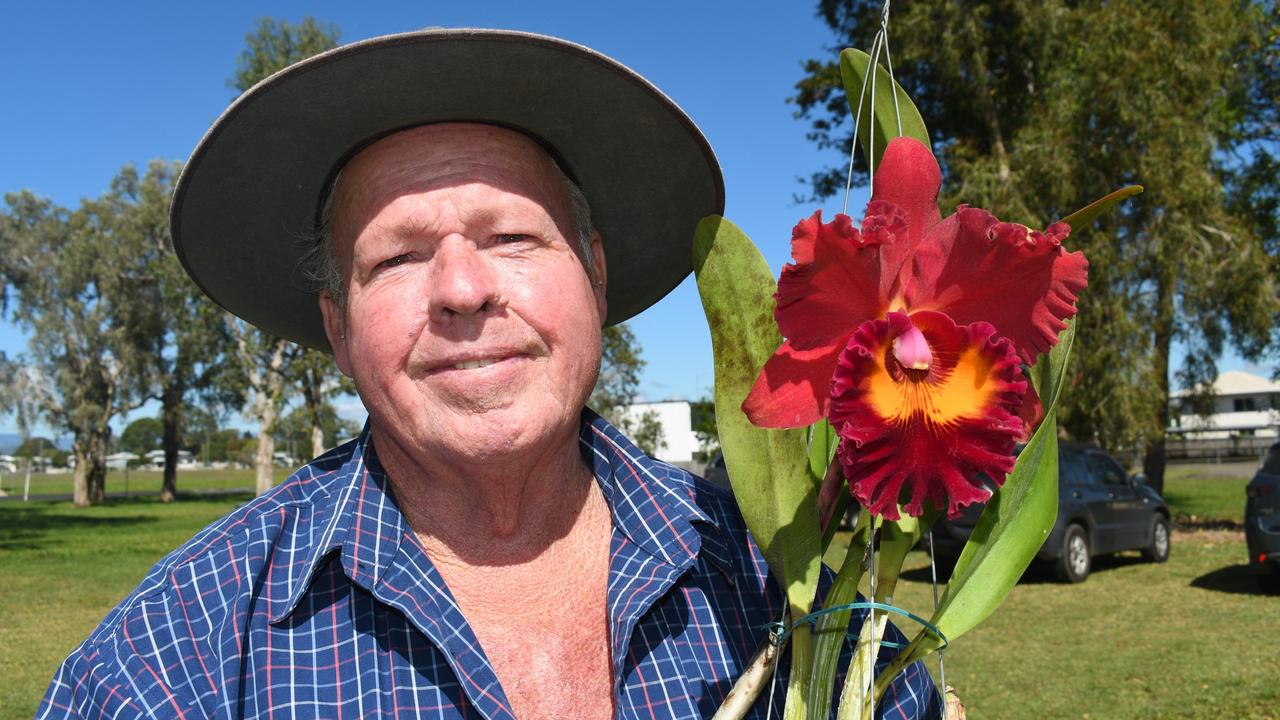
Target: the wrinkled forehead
pixel 442 155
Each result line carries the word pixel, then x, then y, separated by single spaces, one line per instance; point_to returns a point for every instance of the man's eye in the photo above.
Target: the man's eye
pixel 508 238
pixel 393 262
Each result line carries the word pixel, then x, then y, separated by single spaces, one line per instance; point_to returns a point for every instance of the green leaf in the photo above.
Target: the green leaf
pixel 1011 529
pixel 1081 218
pixel 768 469
pixel 884 126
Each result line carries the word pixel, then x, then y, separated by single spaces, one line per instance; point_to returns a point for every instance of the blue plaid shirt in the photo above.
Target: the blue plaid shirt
pixel 317 600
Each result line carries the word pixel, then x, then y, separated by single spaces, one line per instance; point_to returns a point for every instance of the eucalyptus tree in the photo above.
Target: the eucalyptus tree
pixel 186 338
pixel 70 280
pixel 1037 108
pixel 271 367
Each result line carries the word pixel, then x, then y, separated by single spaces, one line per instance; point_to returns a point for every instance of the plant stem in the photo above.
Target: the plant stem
pixel 830 629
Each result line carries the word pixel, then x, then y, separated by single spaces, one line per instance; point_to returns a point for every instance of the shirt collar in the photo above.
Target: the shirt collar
pixel 653 504
pixel 357 516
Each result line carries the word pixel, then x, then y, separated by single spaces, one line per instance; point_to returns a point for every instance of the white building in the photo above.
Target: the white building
pixel 155 460
pixel 676 418
pixel 1245 418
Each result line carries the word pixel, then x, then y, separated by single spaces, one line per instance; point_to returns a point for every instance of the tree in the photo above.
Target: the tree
pixel 271 365
pixel 184 333
pixel 296 430
pixel 1037 108
pixel 142 436
pixel 618 385
pixel 72 280
pixel 704 427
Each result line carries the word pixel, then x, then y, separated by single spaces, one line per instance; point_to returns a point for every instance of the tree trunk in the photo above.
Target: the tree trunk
pixel 90 485
pixel 317 440
pixel 80 495
pixel 1153 461
pixel 266 449
pixel 171 415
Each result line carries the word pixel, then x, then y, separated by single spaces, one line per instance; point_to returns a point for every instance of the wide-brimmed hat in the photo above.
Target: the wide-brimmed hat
pixel 248 204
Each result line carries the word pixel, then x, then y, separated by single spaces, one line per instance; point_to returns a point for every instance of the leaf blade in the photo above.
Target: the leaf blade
pixel 768 469
pixel 883 127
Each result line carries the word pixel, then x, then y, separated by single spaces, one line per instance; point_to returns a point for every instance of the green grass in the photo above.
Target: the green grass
pixel 144 481
pixel 62 569
pixel 1192 638
pixel 1188 639
pixel 1196 496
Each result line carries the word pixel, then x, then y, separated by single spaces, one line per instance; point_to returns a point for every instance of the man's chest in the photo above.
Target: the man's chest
pixel 349 653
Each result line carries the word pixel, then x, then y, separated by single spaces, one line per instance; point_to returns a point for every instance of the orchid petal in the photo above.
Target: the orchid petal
pixel 975 268
pixel 926 435
pixel 794 388
pixel 833 284
pixel 909 178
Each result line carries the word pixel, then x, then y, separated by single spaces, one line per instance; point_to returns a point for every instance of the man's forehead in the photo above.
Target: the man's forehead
pixel 430 156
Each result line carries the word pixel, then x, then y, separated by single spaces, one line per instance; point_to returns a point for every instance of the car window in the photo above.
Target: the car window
pixel 1072 469
pixel 1106 470
pixel 1271 466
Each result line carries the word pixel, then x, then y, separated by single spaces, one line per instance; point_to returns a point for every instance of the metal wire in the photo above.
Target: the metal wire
pixel 942 668
pixel 880 43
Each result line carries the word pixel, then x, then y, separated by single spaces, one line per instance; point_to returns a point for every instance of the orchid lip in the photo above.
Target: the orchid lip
pixel 912 349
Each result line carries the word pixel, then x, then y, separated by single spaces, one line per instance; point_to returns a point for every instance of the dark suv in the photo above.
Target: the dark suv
pixel 1262 520
pixel 1101 509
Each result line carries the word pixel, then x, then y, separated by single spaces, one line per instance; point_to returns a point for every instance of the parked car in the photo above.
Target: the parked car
pixel 716 473
pixel 1262 520
pixel 1101 509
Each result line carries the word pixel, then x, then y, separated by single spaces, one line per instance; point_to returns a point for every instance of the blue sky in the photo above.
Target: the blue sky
pixel 93 86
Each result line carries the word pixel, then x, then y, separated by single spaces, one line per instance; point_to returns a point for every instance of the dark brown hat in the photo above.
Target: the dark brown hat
pixel 248 203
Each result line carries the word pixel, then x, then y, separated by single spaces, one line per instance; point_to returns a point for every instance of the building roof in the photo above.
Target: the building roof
pixel 1238 382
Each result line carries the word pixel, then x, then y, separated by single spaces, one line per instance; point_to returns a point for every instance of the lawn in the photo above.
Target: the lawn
pixel 1188 639
pixel 1199 496
pixel 140 481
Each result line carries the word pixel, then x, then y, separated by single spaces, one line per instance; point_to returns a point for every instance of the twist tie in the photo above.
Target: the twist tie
pixel 779 632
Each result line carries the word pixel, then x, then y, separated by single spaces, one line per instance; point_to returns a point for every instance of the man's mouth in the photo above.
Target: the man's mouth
pixel 474 364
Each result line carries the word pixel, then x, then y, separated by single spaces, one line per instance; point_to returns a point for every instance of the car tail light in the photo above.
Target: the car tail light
pixel 1254 491
pixel 1262 557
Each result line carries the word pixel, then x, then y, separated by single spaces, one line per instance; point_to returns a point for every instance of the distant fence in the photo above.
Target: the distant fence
pixel 1216 449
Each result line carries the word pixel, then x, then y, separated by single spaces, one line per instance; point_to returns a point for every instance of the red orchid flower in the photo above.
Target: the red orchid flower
pixel 909 335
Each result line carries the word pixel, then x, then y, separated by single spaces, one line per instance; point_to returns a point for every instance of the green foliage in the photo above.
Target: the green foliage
pixel 142 436
pixel 1039 107
pixel 34 447
pixel 618 385
pixel 274 45
pixel 72 281
pixel 768 469
pixel 703 420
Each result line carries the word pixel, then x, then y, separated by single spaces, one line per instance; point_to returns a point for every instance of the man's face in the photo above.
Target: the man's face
pixel 471 326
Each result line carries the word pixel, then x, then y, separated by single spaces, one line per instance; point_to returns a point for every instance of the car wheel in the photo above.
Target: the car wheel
pixel 1158 551
pixel 1073 565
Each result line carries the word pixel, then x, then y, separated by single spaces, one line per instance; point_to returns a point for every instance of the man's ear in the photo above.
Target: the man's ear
pixel 601 276
pixel 335 328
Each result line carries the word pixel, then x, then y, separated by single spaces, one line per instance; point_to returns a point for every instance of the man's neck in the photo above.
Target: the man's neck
pixel 495 512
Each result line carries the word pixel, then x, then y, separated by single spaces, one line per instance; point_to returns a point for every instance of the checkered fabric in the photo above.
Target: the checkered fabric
pixel 317 600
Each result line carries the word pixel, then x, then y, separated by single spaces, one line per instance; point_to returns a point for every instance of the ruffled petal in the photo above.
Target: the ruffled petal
pixel 832 286
pixel 912 437
pixel 975 268
pixel 794 388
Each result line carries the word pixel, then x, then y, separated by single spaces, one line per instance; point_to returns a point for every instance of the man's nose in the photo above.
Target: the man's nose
pixel 464 281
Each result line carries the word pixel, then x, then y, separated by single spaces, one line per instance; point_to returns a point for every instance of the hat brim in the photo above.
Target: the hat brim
pixel 247 205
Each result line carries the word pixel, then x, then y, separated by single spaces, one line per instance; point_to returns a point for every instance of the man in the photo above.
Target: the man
pixel 487 546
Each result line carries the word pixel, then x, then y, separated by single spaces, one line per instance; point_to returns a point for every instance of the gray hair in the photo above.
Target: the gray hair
pixel 318 266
